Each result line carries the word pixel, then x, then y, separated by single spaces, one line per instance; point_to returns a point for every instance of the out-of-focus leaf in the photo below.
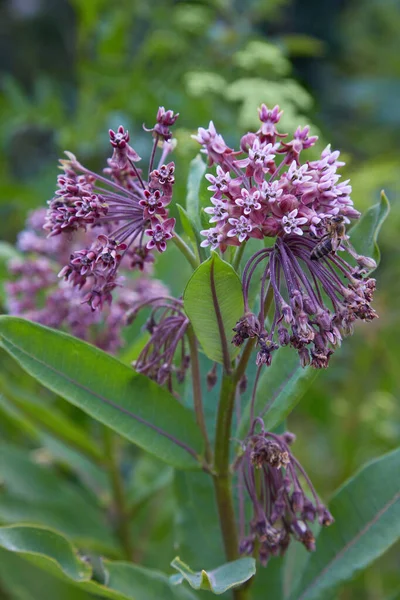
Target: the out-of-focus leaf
pixel 192 231
pixel 26 539
pixel 34 494
pixel 280 388
pixel 23 580
pixel 219 580
pixel 367 513
pixel 269 578
pixel 262 55
pixel 7 252
pixel 197 519
pixel 364 234
pixel 213 301
pixel 195 177
pixel 50 419
pixel 123 581
pixel 107 390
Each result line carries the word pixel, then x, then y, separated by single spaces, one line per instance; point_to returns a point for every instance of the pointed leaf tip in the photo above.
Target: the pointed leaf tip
pixel 219 580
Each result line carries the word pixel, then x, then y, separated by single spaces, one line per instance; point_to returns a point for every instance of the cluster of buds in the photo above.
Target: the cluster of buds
pixel 304 207
pixel 272 476
pixel 36 292
pixel 131 212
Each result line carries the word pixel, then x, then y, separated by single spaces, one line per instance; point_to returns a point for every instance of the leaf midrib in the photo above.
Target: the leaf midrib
pixel 101 398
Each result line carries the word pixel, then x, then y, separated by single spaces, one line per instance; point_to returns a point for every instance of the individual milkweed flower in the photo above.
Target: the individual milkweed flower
pixel 133 211
pixel 165 354
pixel 281 509
pixel 266 191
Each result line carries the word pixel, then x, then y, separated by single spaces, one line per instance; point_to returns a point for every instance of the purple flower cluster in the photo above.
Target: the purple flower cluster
pixel 282 510
pixel 316 294
pixel 37 293
pixel 165 354
pixel 255 195
pixel 131 212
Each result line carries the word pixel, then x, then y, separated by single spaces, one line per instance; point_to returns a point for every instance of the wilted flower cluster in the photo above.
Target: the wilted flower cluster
pixel 282 510
pixel 131 211
pixel 37 293
pixel 264 190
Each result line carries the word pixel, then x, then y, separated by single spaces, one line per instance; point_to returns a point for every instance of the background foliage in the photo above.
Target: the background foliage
pixel 69 71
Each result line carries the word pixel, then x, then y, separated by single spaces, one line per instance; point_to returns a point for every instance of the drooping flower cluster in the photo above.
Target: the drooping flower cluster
pixel 131 212
pixel 165 354
pixel 272 478
pixel 264 190
pixel 37 293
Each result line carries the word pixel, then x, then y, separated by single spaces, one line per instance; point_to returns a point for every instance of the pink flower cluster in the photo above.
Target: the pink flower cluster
pixel 36 293
pixel 131 211
pixel 263 190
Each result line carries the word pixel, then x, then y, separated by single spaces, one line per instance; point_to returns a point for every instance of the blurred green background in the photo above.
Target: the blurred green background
pixel 72 69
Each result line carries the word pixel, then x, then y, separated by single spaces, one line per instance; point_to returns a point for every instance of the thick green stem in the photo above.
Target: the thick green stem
pixel 197 395
pixel 119 500
pixel 222 476
pixel 186 251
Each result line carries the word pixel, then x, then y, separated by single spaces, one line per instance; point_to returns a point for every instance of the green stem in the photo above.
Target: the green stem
pixel 238 256
pixel 222 476
pixel 119 500
pixel 186 251
pixel 197 395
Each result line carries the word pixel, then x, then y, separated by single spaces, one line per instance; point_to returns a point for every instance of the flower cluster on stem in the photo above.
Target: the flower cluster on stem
pixel 264 190
pixel 272 478
pixel 132 209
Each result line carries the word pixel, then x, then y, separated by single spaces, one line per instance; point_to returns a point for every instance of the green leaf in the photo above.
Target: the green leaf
pixel 25 539
pixel 367 522
pixel 191 230
pixel 219 580
pixel 196 518
pixel 7 252
pixel 280 388
pixel 107 390
pixel 213 301
pixel 364 234
pixel 197 170
pixel 51 552
pixel 35 494
pixel 23 580
pixel 50 419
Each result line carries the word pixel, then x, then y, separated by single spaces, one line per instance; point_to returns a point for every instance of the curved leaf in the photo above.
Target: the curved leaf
pixel 25 539
pixel 219 580
pixel 107 390
pixel 213 301
pixel 367 513
pixel 280 388
pixel 364 234
pixel 51 552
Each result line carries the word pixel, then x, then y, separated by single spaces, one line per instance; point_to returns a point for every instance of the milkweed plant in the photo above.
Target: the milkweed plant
pixel 281 273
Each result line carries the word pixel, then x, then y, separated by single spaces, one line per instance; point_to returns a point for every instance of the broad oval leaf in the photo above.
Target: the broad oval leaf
pixel 38 541
pixel 367 522
pixel 364 235
pixel 127 402
pixel 279 389
pixel 219 580
pixel 213 301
